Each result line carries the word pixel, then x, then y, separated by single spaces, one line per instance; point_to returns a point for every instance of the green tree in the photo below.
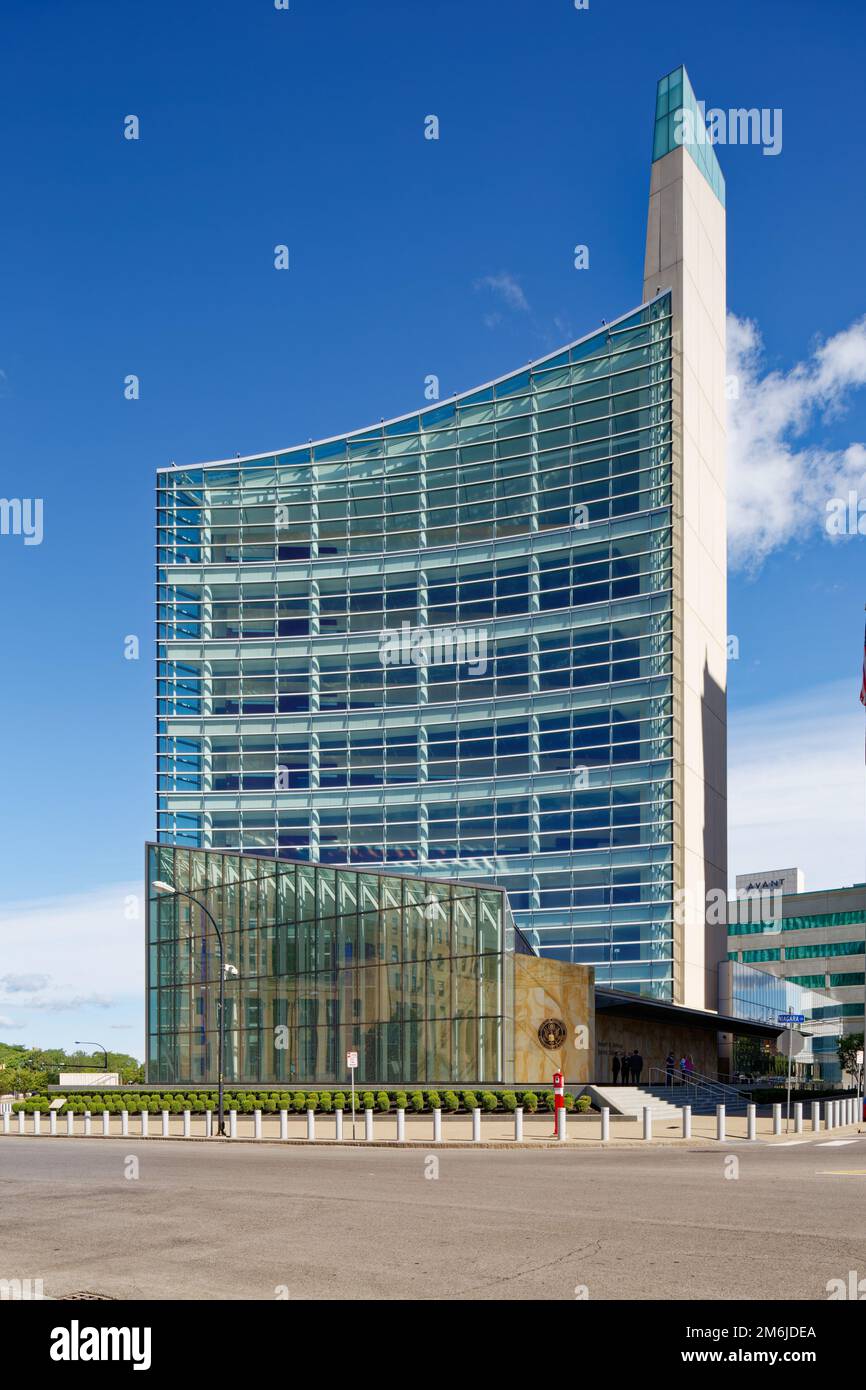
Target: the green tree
pixel 849 1046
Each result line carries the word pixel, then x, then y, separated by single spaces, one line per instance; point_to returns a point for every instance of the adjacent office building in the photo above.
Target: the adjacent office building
pixel 485 641
pixel 810 941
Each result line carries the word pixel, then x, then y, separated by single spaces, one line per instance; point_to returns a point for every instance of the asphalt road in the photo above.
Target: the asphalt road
pixel 259 1223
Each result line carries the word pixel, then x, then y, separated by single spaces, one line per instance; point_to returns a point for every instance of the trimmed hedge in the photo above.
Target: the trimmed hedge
pixel 421 1100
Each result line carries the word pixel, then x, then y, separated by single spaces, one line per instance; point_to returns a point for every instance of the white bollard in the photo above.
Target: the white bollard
pixel 284 1124
pixel 816 1116
pixel 257 1123
pixel 777 1118
pixel 720 1122
pixel 561 1130
pixel 518 1125
pixel 798 1117
pixel 208 1124
pixel 7 1116
pixel 124 1123
pixel 605 1123
pixel 21 1118
pixel 106 1124
pixel 311 1124
pixel 751 1122
pixel 401 1126
pixel 687 1122
pixel 647 1122
pixel 186 1124
pixel 233 1124
pixel 145 1119
pixel 52 1122
pixel 37 1122
pixel 165 1124
pixel 338 1125
pixel 437 1126
pixel 70 1122
pixel 476 1126
pixel 828 1115
pixel 368 1124
pixel 87 1122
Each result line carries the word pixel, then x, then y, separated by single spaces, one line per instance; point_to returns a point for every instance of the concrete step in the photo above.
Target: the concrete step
pixel 631 1100
pixel 701 1102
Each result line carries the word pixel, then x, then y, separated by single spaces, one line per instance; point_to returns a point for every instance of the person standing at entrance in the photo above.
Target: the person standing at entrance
pixel 625 1069
pixel 636 1067
pixel 615 1068
pixel 670 1063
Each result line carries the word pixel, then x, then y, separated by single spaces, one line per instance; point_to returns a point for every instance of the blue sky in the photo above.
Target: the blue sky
pixel 408 257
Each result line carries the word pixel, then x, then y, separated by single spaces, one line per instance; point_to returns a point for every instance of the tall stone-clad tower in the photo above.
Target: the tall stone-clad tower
pixel 685 253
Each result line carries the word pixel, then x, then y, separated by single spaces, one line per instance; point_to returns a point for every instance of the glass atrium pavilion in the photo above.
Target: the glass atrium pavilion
pixel 535 513
pixel 413 974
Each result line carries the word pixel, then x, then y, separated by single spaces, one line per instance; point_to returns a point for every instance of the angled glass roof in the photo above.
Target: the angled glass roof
pixel 680 120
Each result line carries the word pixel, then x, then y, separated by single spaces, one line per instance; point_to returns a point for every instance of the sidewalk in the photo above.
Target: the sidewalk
pixel 496 1130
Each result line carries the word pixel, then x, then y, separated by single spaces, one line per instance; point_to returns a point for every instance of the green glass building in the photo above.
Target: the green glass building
pixel 414 974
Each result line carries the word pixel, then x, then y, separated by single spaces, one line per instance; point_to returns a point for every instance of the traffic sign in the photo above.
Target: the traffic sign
pixel 792 1018
pixel 351 1060
pixel 790 1044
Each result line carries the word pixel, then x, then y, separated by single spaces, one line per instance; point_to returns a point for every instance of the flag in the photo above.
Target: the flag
pixel 863 677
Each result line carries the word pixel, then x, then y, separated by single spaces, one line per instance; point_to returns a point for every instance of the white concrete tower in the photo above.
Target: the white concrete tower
pixel 685 253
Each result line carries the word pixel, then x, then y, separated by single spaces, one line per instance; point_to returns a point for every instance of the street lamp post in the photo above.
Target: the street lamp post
pixel 168 890
pixel 102 1049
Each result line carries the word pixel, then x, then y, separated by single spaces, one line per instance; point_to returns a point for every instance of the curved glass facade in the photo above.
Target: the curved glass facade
pixel 444 644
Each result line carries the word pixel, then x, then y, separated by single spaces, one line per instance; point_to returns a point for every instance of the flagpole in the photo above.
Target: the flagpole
pixel 861 1088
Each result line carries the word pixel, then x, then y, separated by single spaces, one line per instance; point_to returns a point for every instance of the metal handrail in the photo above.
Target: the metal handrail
pixel 698 1082
pixel 719 1085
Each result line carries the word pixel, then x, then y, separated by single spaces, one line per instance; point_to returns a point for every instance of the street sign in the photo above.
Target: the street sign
pixel 789 1043
pixel 352 1064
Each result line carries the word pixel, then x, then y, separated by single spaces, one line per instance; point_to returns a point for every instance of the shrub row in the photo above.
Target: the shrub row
pixel 322 1101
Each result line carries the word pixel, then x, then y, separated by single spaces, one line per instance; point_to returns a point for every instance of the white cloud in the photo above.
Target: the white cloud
pixel 507 288
pixel 796 781
pixel 778 483
pixel 73 957
pixel 23 984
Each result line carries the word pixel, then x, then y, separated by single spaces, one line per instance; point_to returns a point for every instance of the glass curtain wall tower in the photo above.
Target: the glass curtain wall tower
pixel 454 643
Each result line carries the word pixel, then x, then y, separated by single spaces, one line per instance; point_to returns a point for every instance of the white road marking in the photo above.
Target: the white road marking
pixel 834 1143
